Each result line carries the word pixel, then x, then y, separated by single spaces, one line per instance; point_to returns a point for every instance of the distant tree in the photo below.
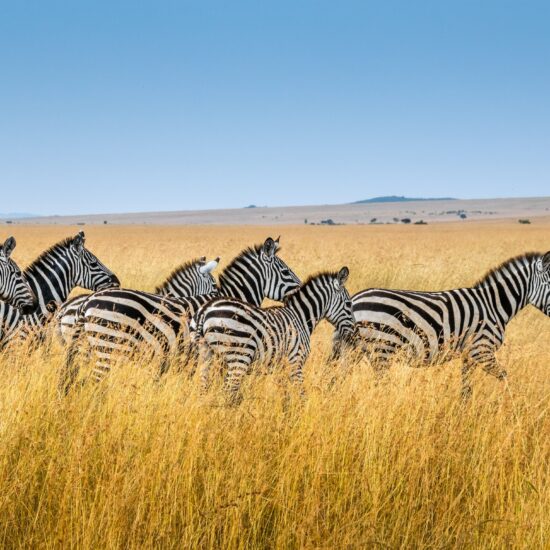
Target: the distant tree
pixel 305 221
pixel 463 216
pixel 524 221
pixel 406 220
pixel 373 220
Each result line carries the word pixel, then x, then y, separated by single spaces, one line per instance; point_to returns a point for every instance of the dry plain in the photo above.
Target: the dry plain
pixel 401 464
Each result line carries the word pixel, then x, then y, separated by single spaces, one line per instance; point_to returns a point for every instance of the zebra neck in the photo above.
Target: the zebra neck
pixel 506 291
pixel 241 284
pixel 308 311
pixel 51 280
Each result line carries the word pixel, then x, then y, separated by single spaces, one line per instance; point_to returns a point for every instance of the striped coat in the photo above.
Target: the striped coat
pixel 468 321
pixel 14 288
pixel 242 334
pixel 52 276
pixel 121 321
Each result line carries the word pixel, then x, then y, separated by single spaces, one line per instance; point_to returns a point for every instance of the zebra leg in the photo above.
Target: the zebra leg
pixel 191 357
pixel 489 364
pixel 232 384
pixel 70 369
pixel 205 361
pixel 380 365
pixel 296 374
pixel 468 368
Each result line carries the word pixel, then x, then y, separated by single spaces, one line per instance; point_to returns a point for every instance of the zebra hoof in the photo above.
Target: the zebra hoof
pixel 503 375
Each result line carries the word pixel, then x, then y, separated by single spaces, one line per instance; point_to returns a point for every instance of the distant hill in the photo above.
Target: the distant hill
pixel 395 198
pixel 16 215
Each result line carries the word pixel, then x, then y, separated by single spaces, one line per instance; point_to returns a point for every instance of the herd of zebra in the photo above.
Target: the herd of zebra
pixel 193 319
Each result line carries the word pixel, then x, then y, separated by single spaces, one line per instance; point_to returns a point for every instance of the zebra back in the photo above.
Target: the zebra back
pixel 471 319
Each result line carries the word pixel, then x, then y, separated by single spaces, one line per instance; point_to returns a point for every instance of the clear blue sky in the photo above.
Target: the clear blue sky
pixel 129 106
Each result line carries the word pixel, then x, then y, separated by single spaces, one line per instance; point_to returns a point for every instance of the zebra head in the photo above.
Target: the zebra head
pixel 14 288
pixel 539 291
pixel 339 308
pixel 193 278
pixel 89 272
pixel 278 278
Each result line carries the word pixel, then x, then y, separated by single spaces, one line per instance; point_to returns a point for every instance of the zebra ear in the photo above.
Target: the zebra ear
pixel 269 248
pixel 210 266
pixel 8 247
pixel 277 245
pixel 546 262
pixel 78 242
pixel 342 276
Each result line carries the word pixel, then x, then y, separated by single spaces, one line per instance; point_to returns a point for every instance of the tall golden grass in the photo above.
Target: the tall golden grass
pixel 400 464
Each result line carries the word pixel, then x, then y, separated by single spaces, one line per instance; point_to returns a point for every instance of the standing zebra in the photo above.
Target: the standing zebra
pixel 52 276
pixel 242 334
pixel 14 288
pixel 122 320
pixel 192 278
pixel 467 321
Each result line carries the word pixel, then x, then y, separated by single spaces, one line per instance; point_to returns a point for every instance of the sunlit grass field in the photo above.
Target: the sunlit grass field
pixel 135 463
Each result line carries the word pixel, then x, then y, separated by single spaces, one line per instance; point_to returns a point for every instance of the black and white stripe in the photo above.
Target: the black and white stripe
pixel 468 321
pixel 122 320
pixel 241 334
pixel 51 277
pixel 14 288
pixel 192 278
pixel 19 326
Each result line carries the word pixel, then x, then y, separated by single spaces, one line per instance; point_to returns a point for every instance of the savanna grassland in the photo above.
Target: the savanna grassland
pixel 135 463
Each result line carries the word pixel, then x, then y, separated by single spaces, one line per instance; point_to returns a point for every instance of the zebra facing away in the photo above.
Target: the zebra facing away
pixel 123 320
pixel 52 276
pixel 14 288
pixel 241 334
pixel 467 321
pixel 192 278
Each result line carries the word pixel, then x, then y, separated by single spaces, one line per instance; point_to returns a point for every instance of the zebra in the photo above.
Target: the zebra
pixel 14 288
pixel 242 334
pixel 469 321
pixel 122 320
pixel 192 278
pixel 18 325
pixel 51 277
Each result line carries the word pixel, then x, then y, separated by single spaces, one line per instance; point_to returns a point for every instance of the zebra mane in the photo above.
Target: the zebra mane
pixel 177 271
pixel 65 243
pixel 520 259
pixel 309 280
pixel 249 251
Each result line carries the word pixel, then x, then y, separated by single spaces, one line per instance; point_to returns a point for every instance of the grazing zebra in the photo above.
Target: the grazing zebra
pixel 467 321
pixel 241 334
pixel 14 288
pixel 192 278
pixel 52 276
pixel 121 320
